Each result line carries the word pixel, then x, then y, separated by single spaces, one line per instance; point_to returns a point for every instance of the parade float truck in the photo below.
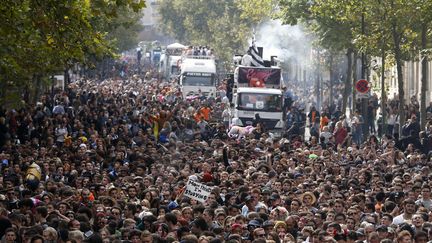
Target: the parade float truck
pixel 169 64
pixel 198 76
pixel 257 90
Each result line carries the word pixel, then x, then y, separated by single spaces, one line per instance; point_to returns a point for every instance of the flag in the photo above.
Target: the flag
pixel 257 60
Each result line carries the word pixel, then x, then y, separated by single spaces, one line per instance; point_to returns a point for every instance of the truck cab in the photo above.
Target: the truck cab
pixel 169 64
pixel 257 90
pixel 198 76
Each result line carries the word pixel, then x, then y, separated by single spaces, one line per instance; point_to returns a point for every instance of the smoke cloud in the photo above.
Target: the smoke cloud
pixel 289 43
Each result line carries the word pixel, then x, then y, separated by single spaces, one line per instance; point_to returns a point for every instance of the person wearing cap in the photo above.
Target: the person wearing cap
pixel 251 226
pixel 268 226
pixel 236 229
pixel 249 205
pixel 275 200
pixel 308 200
pixel 280 227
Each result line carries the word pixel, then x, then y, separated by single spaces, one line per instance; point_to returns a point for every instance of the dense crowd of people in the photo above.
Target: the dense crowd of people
pixel 115 157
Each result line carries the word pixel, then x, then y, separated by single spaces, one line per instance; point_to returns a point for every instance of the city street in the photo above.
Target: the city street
pixel 242 121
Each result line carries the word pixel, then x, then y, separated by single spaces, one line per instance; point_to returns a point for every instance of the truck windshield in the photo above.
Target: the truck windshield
pixel 260 102
pixel 198 79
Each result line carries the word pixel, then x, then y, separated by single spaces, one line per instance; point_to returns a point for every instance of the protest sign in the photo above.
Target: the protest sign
pixel 197 191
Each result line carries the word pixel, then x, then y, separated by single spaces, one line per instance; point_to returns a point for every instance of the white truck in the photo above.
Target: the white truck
pixel 169 64
pixel 257 90
pixel 198 76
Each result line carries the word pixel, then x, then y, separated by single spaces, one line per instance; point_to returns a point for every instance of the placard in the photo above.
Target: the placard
pixel 197 191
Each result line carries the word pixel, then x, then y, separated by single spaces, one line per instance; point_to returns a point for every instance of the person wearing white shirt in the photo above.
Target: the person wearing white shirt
pixel 409 209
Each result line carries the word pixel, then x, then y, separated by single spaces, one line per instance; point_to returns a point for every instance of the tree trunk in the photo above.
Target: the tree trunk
pixel 398 57
pixel 37 88
pixel 66 78
pixel 347 80
pixel 331 82
pixel 424 70
pixel 383 93
pixel 354 80
pixel 318 83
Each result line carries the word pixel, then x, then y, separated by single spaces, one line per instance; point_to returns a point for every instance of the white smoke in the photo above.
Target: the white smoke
pixel 284 41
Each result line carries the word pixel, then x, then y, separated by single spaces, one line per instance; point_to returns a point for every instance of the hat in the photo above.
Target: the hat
pixel 172 205
pixel 235 226
pixel 268 223
pixel 83 146
pixel 275 197
pixel 297 175
pixel 280 224
pixel 254 223
pixel 309 194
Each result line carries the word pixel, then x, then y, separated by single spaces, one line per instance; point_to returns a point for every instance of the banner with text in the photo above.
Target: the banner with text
pixel 197 191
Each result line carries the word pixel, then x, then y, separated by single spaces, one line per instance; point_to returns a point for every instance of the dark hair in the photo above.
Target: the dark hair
pixel 201 224
pixel 42 210
pixel 181 231
pixel 35 238
pixel 172 218
pixel 132 207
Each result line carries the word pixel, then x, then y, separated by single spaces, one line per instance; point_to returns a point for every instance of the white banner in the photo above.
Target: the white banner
pixel 197 191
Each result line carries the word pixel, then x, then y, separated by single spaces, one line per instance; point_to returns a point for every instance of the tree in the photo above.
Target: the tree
pixel 42 38
pixel 225 26
pixel 397 27
pixel 423 24
pixel 333 31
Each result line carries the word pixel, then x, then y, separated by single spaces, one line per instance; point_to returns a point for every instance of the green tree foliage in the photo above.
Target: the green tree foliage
pixel 392 28
pixel 257 10
pixel 41 38
pixel 225 26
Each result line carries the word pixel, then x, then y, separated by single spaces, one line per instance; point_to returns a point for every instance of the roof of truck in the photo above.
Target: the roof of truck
pixel 259 90
pixel 198 65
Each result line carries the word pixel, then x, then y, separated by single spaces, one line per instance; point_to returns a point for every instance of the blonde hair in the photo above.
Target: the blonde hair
pixel 402 234
pixel 52 232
